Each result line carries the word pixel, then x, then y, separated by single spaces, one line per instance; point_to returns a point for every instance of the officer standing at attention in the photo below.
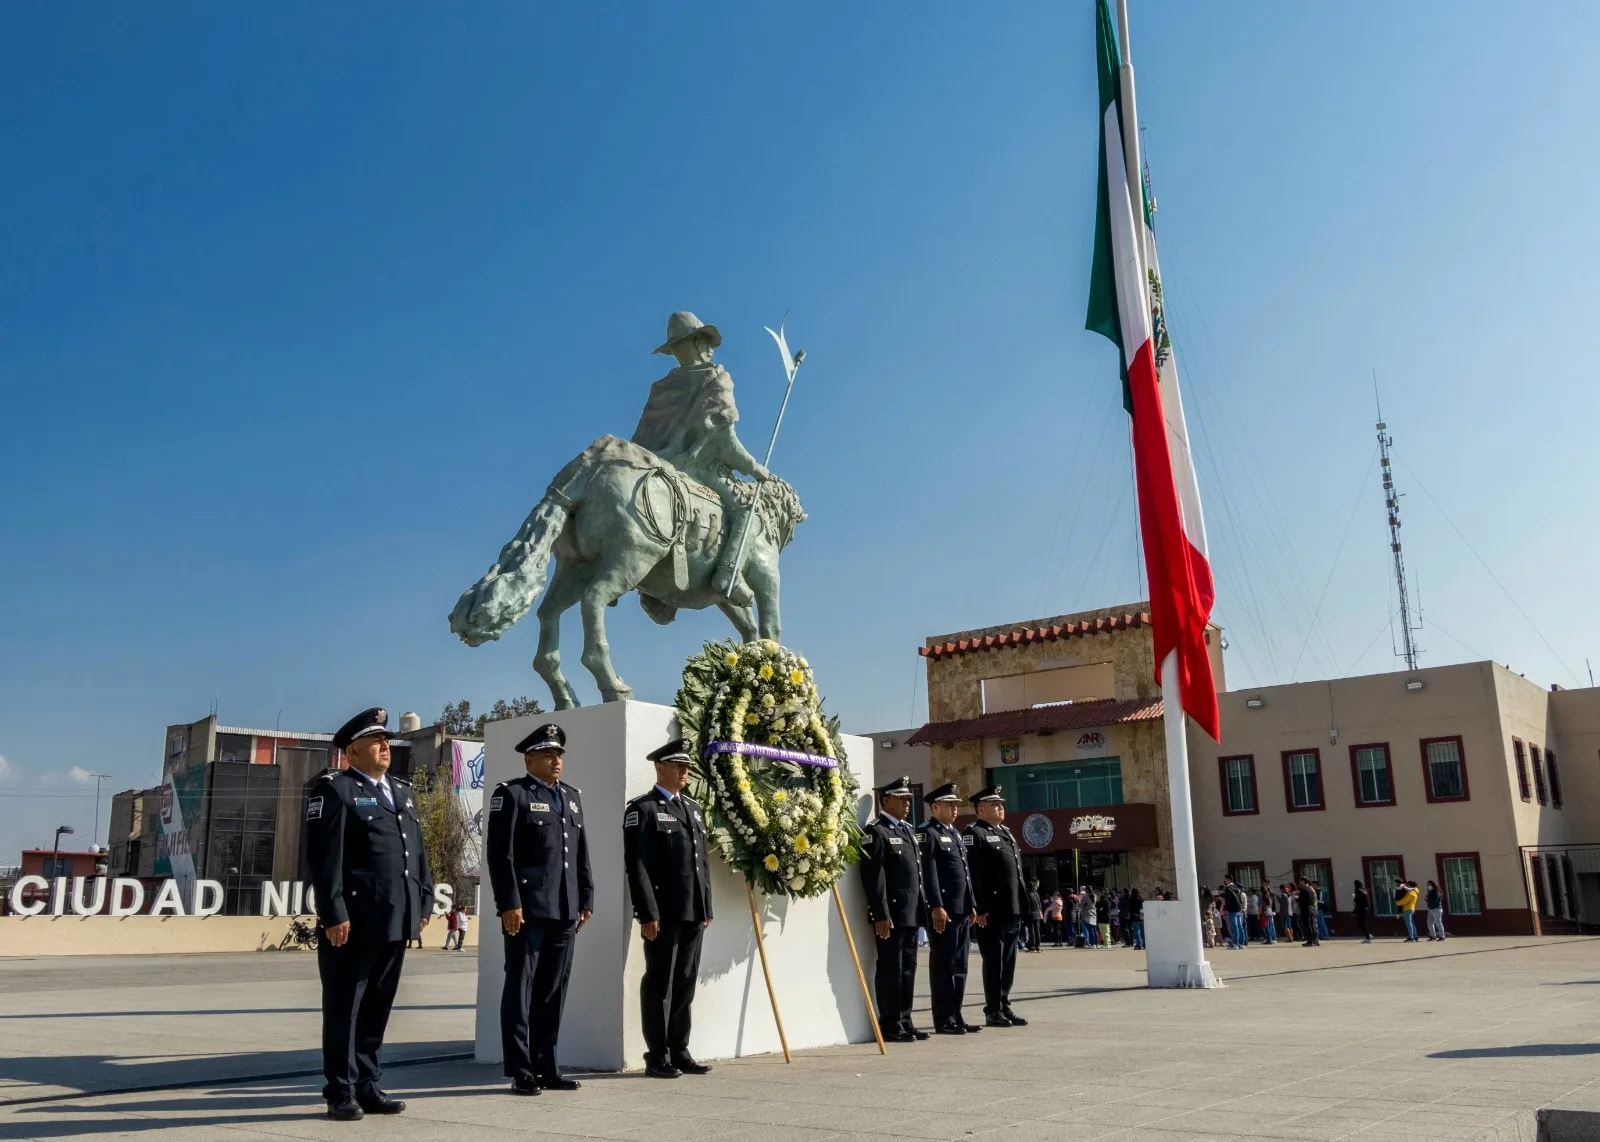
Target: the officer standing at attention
pixel 538 858
pixel 947 887
pixel 891 873
pixel 364 849
pixel 669 878
pixel 996 865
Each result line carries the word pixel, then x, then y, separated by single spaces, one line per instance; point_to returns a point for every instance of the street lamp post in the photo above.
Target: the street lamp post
pixel 55 854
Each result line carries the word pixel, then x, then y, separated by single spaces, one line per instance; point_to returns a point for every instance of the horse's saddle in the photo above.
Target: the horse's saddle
pixel 671 505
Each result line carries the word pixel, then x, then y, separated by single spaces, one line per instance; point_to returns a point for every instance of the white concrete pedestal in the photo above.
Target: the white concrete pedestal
pixel 1167 925
pixel 815 980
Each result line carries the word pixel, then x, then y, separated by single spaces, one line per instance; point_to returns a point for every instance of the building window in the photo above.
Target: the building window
pixel 1061 785
pixel 52 867
pixel 1382 874
pixel 235 747
pixel 1536 871
pixel 1444 769
pixel 1538 773
pixel 1372 775
pixel 916 813
pixel 1559 905
pixel 1523 789
pixel 1461 877
pixel 1251 875
pixel 1238 786
pixel 1319 873
pixel 1570 882
pixel 1302 780
pixel 1554 775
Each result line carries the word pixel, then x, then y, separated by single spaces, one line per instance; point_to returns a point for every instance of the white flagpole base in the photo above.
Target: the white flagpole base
pixel 1174 952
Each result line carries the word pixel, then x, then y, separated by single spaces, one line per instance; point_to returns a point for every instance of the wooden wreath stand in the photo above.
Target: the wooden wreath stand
pixel 766 970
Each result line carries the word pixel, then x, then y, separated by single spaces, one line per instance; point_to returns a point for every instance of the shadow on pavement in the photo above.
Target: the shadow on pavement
pixel 91 1075
pixel 230 1011
pixel 1523 1050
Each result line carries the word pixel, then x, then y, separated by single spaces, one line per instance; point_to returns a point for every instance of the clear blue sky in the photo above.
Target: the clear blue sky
pixel 301 305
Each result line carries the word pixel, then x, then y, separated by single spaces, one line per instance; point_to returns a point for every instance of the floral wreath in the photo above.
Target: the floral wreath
pixel 770 773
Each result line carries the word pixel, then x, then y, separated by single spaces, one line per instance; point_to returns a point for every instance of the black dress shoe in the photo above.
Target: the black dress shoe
pixel 660 1070
pixel 996 1021
pixel 918 1034
pixel 557 1081
pixel 689 1067
pixel 1016 1020
pixel 524 1084
pixel 346 1110
pixel 951 1027
pixel 379 1103
pixel 971 1028
pixel 899 1037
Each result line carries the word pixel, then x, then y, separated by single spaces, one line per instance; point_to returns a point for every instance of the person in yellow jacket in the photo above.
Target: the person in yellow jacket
pixel 1405 899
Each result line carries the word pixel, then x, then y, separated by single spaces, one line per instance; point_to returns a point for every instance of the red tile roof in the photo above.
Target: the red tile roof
pixel 1036 634
pixel 1041 719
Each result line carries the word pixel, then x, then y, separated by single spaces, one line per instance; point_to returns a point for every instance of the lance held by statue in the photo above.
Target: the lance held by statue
pixel 663 514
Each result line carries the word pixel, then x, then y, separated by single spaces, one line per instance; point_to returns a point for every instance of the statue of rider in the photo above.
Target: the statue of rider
pixel 689 422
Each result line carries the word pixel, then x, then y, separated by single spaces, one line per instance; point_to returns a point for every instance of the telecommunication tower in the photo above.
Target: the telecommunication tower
pixel 1391 502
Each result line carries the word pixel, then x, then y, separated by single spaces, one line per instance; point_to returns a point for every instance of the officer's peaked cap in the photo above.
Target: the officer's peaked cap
pixel 899 787
pixel 946 792
pixel 988 793
pixel 547 737
pixel 363 725
pixel 677 751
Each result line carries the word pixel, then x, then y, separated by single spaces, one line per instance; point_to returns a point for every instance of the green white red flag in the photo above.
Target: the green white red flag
pixel 1125 306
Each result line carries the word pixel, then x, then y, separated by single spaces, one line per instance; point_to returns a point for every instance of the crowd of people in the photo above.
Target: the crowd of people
pixel 1232 916
pixel 1085 917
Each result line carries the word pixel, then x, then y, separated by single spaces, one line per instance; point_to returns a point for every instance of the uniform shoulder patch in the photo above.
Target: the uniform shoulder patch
pixel 631 819
pixel 314 809
pixel 497 801
pixel 966 839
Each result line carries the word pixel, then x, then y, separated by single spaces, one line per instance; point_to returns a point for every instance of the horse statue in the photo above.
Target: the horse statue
pixel 663 514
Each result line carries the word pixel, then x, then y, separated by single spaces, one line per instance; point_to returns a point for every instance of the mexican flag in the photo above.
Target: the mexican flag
pixel 1125 306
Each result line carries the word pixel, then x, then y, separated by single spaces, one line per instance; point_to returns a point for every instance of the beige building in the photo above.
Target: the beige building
pixel 1467 775
pixel 1064 714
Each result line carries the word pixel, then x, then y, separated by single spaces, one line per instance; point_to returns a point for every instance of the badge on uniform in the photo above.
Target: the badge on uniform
pixel 660 816
pixel 366 800
pixel 631 819
pixel 495 802
pixel 538 807
pixel 944 840
pixel 897 840
pixel 992 839
pixel 314 809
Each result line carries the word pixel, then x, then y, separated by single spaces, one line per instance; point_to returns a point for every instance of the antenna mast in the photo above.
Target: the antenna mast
pixel 1391 501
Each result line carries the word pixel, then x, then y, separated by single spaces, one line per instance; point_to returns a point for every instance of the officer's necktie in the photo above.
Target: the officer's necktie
pixel 556 794
pixel 383 787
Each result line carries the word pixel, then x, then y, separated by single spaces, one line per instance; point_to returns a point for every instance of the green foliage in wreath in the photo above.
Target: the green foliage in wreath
pixel 790 828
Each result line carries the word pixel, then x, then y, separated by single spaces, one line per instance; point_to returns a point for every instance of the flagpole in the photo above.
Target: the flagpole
pixel 1193 969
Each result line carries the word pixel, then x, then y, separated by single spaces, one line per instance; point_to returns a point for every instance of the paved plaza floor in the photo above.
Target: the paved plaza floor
pixel 1460 1040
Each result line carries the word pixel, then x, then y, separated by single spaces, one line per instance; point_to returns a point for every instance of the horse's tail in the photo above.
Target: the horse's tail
pixel 489 607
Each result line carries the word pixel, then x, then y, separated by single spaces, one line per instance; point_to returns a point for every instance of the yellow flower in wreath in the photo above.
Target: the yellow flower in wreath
pixel 780 795
pixel 770 863
pixel 751 719
pixel 731 659
pixel 765 671
pixel 797 676
pixel 801 843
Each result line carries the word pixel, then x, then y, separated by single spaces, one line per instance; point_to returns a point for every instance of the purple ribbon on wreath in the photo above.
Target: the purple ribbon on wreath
pixel 772 752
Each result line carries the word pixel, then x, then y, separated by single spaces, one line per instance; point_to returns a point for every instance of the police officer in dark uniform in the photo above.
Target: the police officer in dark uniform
pixel 947 887
pixel 891 873
pixel 538 858
pixel 363 843
pixel 669 878
pixel 996 865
